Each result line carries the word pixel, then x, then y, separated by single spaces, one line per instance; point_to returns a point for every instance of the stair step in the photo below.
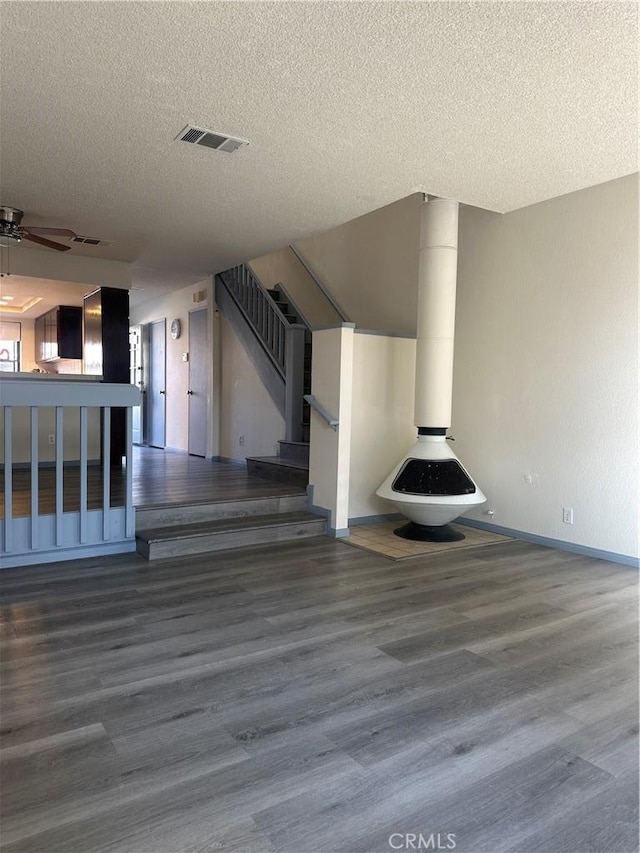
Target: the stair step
pixel 164 516
pixel 294 451
pixel 209 536
pixel 278 470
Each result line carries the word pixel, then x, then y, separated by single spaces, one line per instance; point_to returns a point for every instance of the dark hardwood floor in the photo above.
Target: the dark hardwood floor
pixel 159 478
pixel 312 697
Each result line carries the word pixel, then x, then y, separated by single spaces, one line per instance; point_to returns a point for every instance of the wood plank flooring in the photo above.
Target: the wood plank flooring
pixel 315 698
pixel 160 478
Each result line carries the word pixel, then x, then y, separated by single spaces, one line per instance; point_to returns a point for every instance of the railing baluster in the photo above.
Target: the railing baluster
pixel 129 511
pixel 83 474
pixel 8 479
pixel 34 476
pixel 59 474
pixel 106 471
pixel 280 343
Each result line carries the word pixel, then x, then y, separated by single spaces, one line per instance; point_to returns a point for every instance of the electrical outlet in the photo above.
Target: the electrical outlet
pixel 52 439
pixel 567 514
pixel 241 441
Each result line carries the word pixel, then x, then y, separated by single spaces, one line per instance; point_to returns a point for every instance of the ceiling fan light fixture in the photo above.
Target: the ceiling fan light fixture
pixel 12 231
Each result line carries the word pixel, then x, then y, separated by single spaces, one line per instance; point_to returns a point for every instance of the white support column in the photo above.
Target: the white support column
pixel 330 450
pixel 437 275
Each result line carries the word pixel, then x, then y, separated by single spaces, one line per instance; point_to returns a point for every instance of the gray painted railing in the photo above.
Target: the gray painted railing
pixel 283 342
pixel 324 290
pixel 312 400
pixel 264 315
pixel 40 538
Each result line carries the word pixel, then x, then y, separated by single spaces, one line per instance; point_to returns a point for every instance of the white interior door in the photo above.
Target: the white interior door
pixel 198 382
pixel 156 398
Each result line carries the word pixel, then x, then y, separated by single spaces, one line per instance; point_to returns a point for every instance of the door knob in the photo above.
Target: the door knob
pixel 190 393
pixel 162 392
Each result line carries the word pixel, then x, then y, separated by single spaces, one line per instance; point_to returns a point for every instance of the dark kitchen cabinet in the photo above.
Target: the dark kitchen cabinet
pixel 58 334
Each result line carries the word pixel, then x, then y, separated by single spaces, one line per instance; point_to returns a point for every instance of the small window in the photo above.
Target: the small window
pixel 9 356
pixel 10 347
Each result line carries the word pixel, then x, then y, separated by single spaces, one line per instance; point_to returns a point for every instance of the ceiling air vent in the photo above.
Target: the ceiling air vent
pixel 211 139
pixel 90 241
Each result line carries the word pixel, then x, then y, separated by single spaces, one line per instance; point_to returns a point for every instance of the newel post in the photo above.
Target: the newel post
pixel 294 381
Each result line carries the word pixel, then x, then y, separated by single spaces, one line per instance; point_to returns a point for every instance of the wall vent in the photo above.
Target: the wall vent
pixel 89 241
pixel 211 139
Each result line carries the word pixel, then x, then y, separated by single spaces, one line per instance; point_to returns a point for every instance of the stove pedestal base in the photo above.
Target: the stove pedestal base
pixel 427 533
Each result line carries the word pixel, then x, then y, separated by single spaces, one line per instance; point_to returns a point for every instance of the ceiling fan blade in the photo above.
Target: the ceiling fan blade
pixel 55 232
pixel 44 242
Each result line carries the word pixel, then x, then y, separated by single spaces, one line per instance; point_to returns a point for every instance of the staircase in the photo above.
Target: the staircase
pixel 291 465
pixel 178 531
pixel 294 318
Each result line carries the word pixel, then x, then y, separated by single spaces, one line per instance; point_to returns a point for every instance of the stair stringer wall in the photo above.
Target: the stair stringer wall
pixel 246 405
pixel 269 376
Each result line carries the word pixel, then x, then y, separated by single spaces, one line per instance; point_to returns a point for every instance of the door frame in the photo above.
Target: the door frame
pixel 207 373
pixel 163 321
pixel 137 377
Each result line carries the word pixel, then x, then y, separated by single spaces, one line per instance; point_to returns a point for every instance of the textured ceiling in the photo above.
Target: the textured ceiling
pixel 348 106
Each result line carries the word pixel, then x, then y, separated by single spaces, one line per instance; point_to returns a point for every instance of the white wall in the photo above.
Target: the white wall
pixel 283 267
pixel 21 434
pixel 173 306
pixel 546 364
pixel 330 450
pixel 546 354
pixel 239 403
pixel 246 408
pixel 370 266
pixel 382 417
pixel 43 263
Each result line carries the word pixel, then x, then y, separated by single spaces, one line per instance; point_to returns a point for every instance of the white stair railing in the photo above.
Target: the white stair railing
pixel 29 536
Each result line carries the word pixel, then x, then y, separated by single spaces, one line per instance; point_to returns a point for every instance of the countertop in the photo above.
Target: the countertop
pixel 67 377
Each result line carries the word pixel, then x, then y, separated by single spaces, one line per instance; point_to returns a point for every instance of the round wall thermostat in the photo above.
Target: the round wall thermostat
pixel 176 329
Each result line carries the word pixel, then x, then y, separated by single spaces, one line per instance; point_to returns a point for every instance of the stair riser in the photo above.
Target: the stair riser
pixel 210 543
pixel 168 516
pixel 294 451
pixel 277 474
